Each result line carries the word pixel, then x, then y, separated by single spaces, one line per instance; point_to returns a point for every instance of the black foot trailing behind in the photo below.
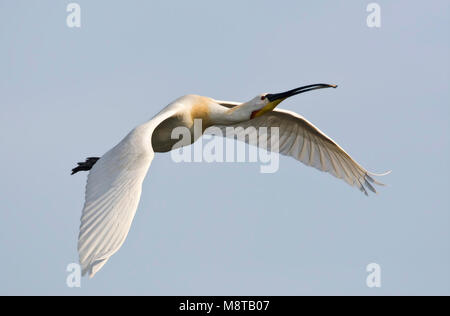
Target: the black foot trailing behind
pixel 85 166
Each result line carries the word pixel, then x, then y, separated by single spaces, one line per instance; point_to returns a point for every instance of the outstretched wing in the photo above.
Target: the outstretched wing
pixel 113 191
pixel 303 141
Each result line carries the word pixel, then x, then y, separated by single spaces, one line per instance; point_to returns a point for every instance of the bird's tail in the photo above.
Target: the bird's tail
pixel 85 166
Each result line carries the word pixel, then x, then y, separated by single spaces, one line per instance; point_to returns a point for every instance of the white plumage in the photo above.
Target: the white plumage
pixel 300 139
pixel 113 191
pixel 115 180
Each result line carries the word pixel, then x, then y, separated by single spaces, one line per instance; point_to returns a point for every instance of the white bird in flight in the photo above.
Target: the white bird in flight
pixel 115 180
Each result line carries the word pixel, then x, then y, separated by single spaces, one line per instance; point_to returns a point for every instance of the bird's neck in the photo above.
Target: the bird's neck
pixel 221 115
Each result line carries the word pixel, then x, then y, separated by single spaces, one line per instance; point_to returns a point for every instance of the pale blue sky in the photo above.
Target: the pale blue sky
pixel 211 229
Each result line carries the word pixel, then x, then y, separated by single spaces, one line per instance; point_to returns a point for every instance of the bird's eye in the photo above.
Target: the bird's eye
pixel 263 97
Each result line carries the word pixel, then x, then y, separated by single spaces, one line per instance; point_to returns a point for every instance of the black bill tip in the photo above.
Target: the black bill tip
pixel 290 93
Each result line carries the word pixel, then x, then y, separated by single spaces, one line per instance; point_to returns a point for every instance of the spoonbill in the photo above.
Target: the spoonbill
pixel 115 180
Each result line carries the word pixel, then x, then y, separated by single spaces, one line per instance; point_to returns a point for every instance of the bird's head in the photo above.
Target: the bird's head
pixel 268 101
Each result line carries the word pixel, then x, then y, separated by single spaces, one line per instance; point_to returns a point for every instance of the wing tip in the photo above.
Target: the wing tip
pixel 379 174
pixel 368 179
pixel 92 267
pixel 369 175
